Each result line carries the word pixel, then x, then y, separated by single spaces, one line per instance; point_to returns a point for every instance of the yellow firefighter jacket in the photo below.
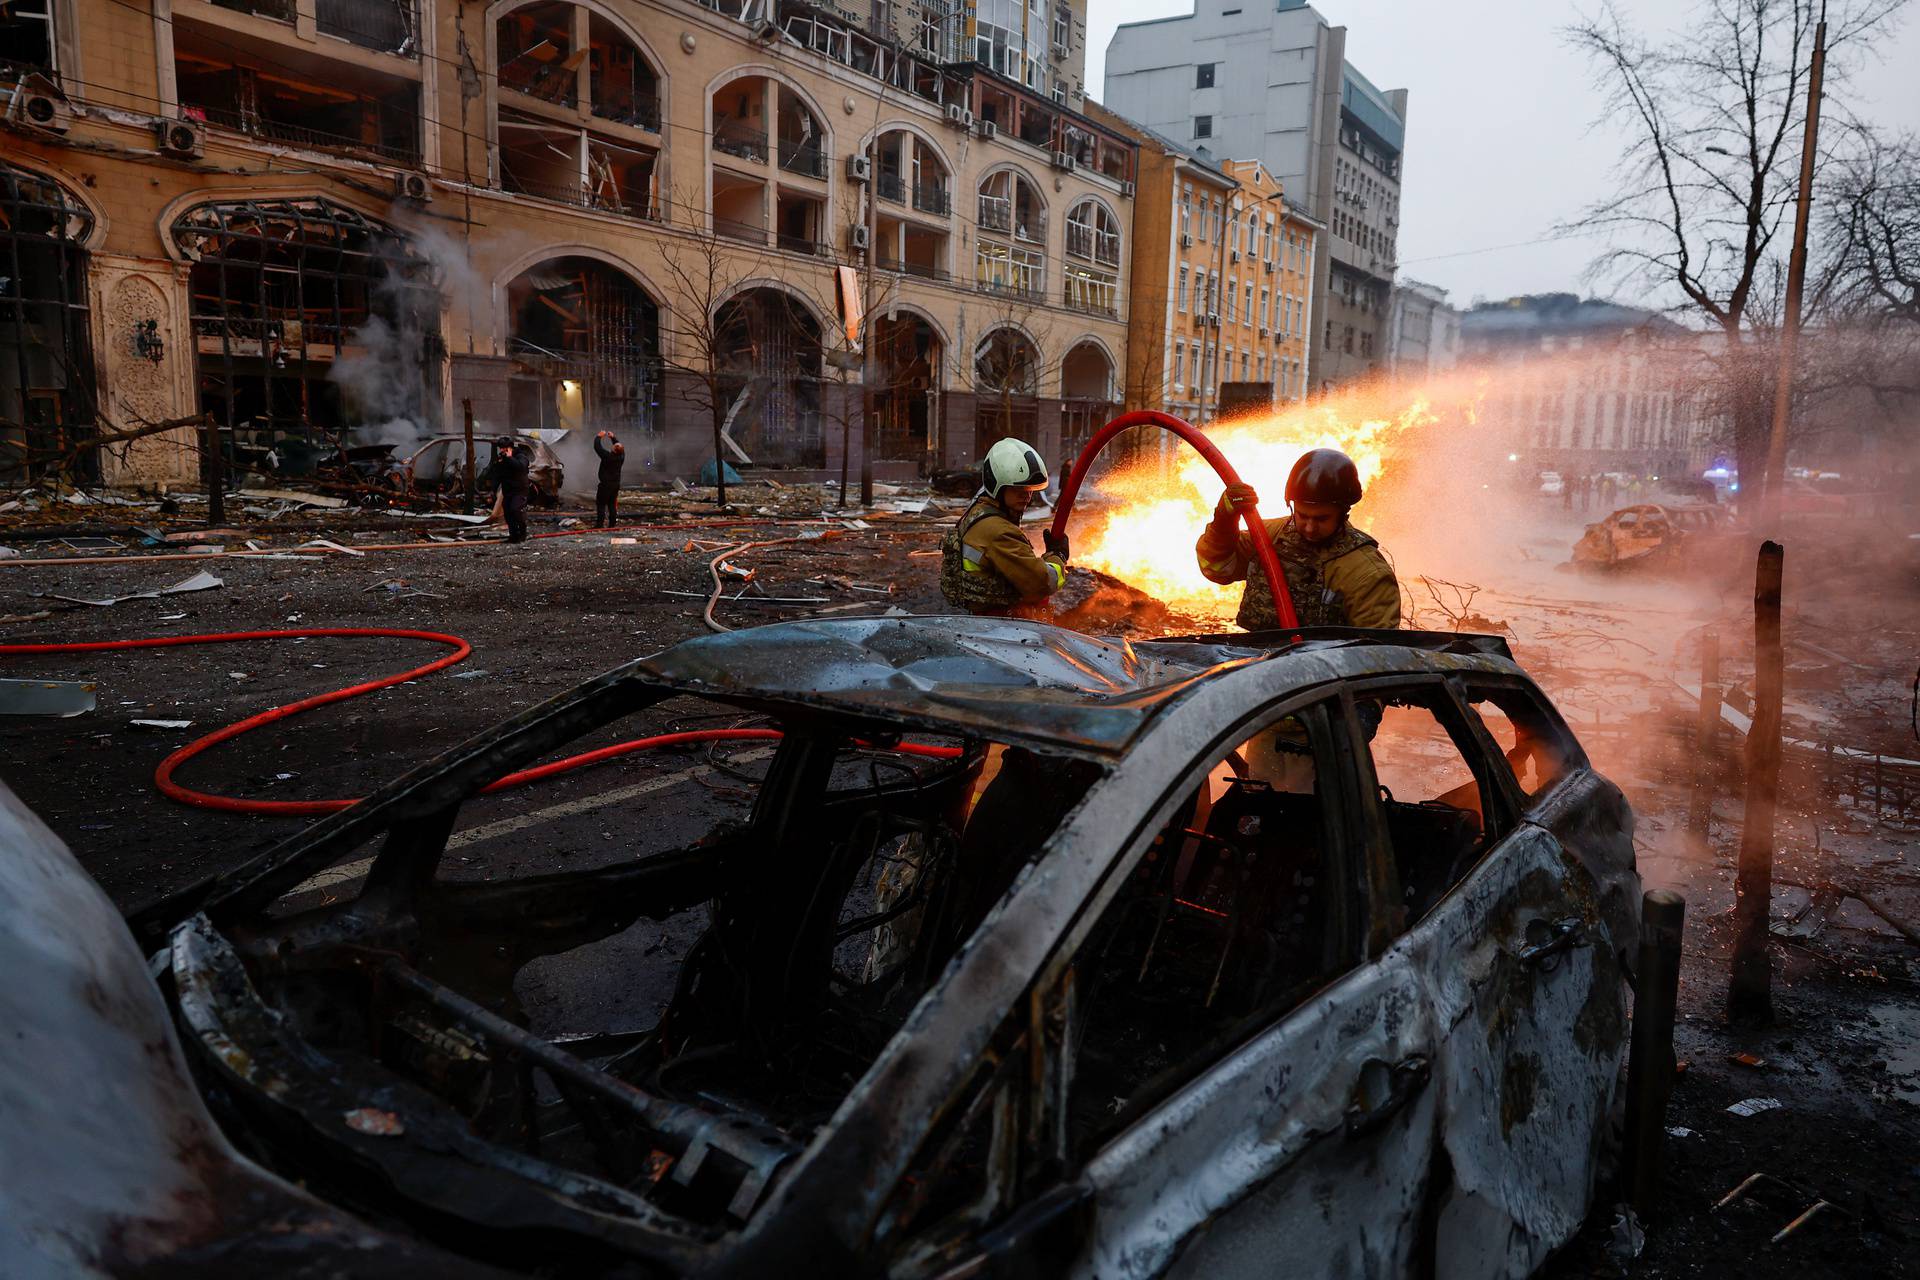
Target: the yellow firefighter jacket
pixel 1342 582
pixel 988 567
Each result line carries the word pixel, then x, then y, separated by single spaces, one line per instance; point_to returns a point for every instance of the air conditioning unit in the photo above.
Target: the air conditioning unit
pixel 1186 241
pixel 1213 319
pixel 1271 267
pixel 182 139
pixel 40 105
pixel 409 185
pixel 859 236
pixel 1127 189
pixel 958 116
pixel 1233 256
pixel 986 129
pixel 859 169
pixel 1063 160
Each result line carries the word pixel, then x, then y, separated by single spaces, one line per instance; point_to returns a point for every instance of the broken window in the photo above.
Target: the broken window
pixel 296 98
pixel 908 359
pixel 1238 911
pixel 26 37
pixel 308 318
pixel 1532 740
pixel 585 343
pixel 1433 804
pixel 46 369
pixel 768 349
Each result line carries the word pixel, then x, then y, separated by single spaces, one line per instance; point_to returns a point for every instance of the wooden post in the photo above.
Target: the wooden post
pixel 1706 735
pixel 216 473
pixel 466 429
pixel 1749 989
pixel 1650 1066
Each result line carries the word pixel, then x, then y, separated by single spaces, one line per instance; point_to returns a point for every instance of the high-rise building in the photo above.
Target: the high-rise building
pixel 1423 330
pixel 1273 83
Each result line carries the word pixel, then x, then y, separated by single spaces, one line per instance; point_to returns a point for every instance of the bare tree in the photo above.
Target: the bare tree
pixel 1875 213
pixel 1001 367
pixel 1707 179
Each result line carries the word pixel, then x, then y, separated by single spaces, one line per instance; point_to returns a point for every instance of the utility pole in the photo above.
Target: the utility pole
pixel 466 428
pixel 1776 468
pixel 869 368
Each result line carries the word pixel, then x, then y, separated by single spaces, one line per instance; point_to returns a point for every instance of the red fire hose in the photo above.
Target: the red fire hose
pixel 163 776
pixel 1262 545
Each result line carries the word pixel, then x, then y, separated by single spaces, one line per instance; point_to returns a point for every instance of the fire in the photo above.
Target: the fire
pixel 1145 514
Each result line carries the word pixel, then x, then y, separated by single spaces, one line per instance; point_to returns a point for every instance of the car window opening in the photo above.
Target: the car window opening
pixel 1432 804
pixel 1537 750
pixel 746 952
pixel 1225 924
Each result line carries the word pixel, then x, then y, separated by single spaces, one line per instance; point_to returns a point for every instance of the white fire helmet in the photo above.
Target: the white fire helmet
pixel 1011 464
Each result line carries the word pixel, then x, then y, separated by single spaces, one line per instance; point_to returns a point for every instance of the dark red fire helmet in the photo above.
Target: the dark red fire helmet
pixel 1324 475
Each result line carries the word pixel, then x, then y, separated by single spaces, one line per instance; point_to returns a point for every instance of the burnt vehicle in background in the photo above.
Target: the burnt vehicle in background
pixel 1027 953
pixel 1647 535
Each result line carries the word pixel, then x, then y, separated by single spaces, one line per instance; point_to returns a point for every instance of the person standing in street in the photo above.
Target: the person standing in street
pixel 511 471
pixel 606 498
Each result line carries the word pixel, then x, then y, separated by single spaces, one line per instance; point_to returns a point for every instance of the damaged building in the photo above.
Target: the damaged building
pixel 373 214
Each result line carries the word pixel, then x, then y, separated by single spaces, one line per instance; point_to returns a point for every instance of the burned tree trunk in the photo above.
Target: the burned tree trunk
pixel 1749 989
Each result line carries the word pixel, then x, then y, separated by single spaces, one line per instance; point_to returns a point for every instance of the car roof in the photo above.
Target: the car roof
pixel 1002 678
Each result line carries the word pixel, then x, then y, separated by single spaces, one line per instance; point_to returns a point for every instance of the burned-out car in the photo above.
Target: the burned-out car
pixel 1655 536
pixel 1012 952
pixel 438 467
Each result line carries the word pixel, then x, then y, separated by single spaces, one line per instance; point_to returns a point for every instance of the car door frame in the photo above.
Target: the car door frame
pixel 1486 1191
pixel 1275 1160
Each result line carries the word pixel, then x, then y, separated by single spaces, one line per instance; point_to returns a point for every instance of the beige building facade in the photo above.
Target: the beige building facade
pixel 327 222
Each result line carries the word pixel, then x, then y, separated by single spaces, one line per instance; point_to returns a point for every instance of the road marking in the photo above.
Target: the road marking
pixel 350 871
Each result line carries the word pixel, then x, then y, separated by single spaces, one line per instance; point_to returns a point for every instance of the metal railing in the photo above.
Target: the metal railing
pixel 744 232
pixel 549 84
pixel 891 187
pixel 641 113
pixel 385 26
pixel 294 135
pixel 737 139
pixel 932 197
pixel 580 196
pixel 806 158
pixel 804 244
pixel 1091 242
pixel 922 270
pixel 276 10
pixel 1007 289
pixel 1089 304
pixel 996 213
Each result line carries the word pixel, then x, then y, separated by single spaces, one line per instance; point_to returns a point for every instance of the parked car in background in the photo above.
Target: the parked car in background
pixel 1024 953
pixel 438 467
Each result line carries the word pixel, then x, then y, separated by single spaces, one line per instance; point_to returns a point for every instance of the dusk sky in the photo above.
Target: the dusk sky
pixel 1502 139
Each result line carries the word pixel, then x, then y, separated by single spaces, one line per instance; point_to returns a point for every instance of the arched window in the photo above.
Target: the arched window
pixel 769 354
pixel 1093 259
pixel 1009 253
pixel 760 122
pixel 311 319
pixel 579 110
pixel 585 340
pixel 46 381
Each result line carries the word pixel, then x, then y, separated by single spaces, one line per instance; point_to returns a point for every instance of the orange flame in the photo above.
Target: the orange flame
pixel 1156 504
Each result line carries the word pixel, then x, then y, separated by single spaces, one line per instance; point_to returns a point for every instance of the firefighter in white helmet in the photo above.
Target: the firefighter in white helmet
pixel 987 564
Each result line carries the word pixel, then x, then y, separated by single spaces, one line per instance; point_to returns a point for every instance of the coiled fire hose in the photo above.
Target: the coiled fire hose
pixel 163 776
pixel 1262 545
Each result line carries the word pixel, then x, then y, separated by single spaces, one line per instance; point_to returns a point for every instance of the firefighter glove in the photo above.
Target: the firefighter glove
pixel 1056 543
pixel 1236 499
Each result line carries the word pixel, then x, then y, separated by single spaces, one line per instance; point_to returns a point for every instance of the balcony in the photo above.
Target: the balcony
pixel 384 26
pixel 1078 299
pixel 891 187
pixel 635 113
pixel 1031 291
pixel 274 10
pixel 996 213
pixel 804 244
pixel 730 137
pixel 553 83
pixel 1089 242
pixel 932 197
pixel 809 159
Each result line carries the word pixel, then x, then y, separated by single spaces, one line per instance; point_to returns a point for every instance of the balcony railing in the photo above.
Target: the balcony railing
pixel 891 187
pixel 1091 242
pixel 737 139
pixel 549 84
pixel 579 196
pixel 804 244
pixel 744 232
pixel 996 213
pixel 806 158
pixel 1032 292
pixel 920 269
pixel 640 113
pixel 277 10
pixel 294 135
pixel 385 26
pixel 932 197
pixel 1078 300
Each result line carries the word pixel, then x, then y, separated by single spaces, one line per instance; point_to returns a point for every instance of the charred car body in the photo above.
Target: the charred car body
pixel 1033 954
pixel 1654 536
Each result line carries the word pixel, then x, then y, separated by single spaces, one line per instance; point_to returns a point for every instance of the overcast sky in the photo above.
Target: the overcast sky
pixel 1501 133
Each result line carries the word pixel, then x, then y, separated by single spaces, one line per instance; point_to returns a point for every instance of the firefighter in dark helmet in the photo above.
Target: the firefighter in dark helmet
pixel 987 565
pixel 1335 572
